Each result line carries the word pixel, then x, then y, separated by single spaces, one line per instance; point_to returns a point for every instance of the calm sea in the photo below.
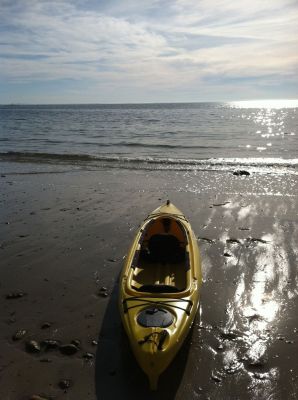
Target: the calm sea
pixel 152 136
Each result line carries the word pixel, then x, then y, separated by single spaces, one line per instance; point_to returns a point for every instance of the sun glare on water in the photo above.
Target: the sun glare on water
pixel 265 104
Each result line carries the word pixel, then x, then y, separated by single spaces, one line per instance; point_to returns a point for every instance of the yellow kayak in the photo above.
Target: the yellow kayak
pixel 160 289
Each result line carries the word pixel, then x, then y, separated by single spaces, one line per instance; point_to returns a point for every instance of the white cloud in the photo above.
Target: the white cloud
pixel 150 44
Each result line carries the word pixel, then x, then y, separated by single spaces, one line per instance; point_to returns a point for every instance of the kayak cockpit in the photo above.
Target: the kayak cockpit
pixel 161 262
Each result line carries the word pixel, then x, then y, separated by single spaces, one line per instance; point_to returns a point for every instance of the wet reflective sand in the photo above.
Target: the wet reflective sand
pixel 63 237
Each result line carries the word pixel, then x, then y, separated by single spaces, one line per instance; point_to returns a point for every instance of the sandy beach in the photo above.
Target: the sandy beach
pixel 63 237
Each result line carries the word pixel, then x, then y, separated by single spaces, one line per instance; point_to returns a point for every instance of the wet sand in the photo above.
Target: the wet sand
pixel 63 237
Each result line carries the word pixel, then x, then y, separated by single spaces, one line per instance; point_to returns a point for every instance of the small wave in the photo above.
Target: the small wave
pixel 268 165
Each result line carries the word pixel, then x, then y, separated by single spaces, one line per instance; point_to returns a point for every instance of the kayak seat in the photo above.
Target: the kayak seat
pixel 165 249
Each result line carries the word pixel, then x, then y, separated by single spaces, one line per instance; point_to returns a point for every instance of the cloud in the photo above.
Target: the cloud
pixel 150 45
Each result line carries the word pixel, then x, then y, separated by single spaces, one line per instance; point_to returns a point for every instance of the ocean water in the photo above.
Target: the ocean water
pixel 153 136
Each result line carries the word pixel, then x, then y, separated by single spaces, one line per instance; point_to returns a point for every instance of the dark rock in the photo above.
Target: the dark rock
pixel 19 334
pixel 233 241
pixel 33 346
pixel 206 239
pixel 68 349
pixel 88 356
pixel 258 240
pixel 15 295
pixel 76 342
pixel 45 360
pixel 215 378
pixel 103 289
pixel 46 325
pixel 227 254
pixel 65 384
pixel 241 172
pixel 229 335
pixel 50 344
pixel 112 260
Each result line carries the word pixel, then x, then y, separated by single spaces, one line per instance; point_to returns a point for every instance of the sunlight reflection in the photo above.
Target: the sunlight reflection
pixel 269 104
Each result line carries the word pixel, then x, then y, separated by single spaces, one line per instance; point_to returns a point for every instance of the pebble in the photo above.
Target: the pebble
pixel 19 334
pixel 68 349
pixel 216 378
pixel 15 295
pixel 103 289
pixel 76 342
pixel 33 346
pixel 103 294
pixel 227 254
pixel 50 344
pixel 46 325
pixel 94 343
pixel 65 384
pixel 88 356
pixel 241 172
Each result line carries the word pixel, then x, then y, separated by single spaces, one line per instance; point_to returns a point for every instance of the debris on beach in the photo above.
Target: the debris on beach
pixel 32 346
pixel 15 295
pixel 76 342
pixel 50 344
pixel 65 384
pixel 221 204
pixel 216 378
pixel 258 240
pixel 19 334
pixel 241 172
pixel 68 349
pixel 207 240
pixel 88 356
pixel 233 241
pixel 45 325
pixel 38 397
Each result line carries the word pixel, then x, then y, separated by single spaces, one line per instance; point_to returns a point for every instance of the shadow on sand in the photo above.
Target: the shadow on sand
pixel 117 374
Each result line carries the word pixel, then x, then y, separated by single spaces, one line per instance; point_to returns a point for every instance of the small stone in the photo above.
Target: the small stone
pixel 38 397
pixel 50 344
pixel 68 349
pixel 233 241
pixel 19 334
pixel 65 384
pixel 227 254
pixel 76 342
pixel 220 347
pixel 103 289
pixel 46 325
pixel 94 343
pixel 216 378
pixel 15 295
pixel 241 172
pixel 45 360
pixel 88 356
pixel 103 294
pixel 33 346
pixel 112 260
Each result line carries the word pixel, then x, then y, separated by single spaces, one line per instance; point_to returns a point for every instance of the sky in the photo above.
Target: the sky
pixel 132 51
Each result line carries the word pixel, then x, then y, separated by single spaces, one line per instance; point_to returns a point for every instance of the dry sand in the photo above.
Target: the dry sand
pixel 63 237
